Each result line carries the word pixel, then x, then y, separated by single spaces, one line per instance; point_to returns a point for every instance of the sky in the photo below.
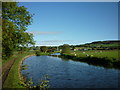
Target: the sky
pixel 74 23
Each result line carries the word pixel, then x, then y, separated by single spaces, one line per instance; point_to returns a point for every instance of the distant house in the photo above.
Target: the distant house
pixel 75 49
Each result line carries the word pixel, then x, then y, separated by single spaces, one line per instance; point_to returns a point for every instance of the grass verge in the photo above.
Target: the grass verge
pixel 13 79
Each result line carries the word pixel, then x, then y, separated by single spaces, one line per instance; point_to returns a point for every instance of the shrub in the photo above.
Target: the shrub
pixel 37 53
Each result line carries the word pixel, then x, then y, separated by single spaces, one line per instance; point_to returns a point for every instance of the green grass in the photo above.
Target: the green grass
pixel 42 53
pixel 13 79
pixel 10 58
pixel 110 54
pixel 38 53
pixel 105 58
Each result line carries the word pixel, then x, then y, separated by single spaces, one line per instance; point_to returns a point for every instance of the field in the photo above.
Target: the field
pixel 105 58
pixel 110 54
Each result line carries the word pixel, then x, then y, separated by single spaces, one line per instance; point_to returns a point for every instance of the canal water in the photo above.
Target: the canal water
pixel 68 73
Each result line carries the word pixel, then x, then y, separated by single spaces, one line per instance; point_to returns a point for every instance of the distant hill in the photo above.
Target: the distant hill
pixel 106 42
pixel 111 44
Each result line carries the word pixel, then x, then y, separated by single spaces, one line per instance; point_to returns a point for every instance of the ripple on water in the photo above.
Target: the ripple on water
pixel 68 73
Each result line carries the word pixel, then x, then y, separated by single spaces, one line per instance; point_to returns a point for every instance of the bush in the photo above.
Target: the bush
pixel 37 53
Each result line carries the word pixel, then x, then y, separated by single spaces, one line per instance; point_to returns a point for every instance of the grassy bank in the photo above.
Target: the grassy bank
pixel 109 59
pixel 13 80
pixel 38 53
pixel 110 54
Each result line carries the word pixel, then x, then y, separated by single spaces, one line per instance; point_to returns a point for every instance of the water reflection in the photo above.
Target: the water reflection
pixel 55 54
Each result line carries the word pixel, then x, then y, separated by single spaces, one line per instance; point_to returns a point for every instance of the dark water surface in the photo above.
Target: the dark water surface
pixel 69 74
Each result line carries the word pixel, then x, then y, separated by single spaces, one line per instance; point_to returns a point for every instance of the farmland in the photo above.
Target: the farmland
pixel 111 54
pixel 99 45
pixel 105 58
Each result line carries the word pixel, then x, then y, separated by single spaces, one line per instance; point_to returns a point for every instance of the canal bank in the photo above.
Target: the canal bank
pixel 13 78
pixel 104 62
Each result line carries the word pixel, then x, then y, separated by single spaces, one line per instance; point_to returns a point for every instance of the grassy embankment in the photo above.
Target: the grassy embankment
pixel 107 58
pixel 13 80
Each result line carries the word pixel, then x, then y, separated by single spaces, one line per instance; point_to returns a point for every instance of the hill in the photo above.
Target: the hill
pixel 111 44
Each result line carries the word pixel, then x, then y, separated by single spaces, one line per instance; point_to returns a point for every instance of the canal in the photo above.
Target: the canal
pixel 64 73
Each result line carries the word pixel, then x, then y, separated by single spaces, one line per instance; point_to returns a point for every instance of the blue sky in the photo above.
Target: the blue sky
pixel 57 23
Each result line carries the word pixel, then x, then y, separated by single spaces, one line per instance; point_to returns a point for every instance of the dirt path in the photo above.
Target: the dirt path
pixel 7 66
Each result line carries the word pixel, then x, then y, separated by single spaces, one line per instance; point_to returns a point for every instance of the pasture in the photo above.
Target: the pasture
pixel 110 54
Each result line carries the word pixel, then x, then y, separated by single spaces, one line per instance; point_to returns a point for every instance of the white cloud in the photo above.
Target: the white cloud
pixel 53 41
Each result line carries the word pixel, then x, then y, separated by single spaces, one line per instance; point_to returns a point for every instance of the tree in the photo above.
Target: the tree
pixel 37 48
pixel 43 49
pixel 53 49
pixel 15 20
pixel 65 48
pixel 73 47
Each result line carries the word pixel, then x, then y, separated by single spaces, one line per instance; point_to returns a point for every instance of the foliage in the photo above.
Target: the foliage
pixel 65 48
pixel 44 82
pixel 43 49
pixel 37 53
pixel 29 83
pixel 24 67
pixel 15 20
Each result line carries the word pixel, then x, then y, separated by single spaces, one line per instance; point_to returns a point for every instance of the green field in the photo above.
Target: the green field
pixel 111 54
pixel 105 58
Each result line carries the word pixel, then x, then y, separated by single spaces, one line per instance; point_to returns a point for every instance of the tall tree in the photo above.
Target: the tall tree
pixel 65 48
pixel 15 20
pixel 43 49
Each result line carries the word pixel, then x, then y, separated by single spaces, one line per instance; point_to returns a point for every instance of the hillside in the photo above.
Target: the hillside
pixel 111 44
